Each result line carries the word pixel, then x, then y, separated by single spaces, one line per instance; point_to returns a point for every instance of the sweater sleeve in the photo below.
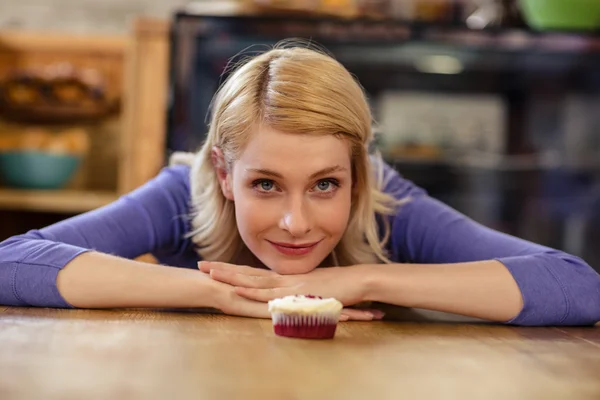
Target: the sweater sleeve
pixel 557 288
pixel 149 218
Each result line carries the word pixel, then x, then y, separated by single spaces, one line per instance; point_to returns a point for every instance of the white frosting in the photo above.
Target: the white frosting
pixel 304 305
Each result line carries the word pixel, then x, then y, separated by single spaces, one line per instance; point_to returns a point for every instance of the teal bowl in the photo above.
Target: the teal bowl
pixel 37 170
pixel 561 14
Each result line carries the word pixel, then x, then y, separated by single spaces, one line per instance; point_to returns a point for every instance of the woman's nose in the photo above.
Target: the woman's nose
pixel 295 219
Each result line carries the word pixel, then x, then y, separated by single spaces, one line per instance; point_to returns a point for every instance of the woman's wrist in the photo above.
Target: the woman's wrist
pixel 378 279
pixel 218 295
pixel 223 297
pixel 210 294
pixel 370 282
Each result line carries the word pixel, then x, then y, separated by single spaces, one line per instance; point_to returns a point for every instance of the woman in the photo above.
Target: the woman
pixel 284 185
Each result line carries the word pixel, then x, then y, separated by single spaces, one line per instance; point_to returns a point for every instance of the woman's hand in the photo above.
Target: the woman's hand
pixel 342 283
pixel 226 300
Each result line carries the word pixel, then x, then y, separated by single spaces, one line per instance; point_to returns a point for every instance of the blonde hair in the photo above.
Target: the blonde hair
pixel 300 91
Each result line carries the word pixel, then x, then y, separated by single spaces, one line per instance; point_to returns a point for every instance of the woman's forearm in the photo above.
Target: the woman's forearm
pixel 95 280
pixel 483 289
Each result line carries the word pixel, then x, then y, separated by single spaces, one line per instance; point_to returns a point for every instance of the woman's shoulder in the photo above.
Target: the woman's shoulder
pixel 173 177
pixel 170 186
pixel 390 181
pixel 178 172
pixel 178 169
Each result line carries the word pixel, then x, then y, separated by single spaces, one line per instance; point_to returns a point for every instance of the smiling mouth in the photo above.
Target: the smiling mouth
pixel 290 249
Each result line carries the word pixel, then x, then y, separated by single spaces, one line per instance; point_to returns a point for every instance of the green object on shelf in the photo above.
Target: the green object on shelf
pixel 37 170
pixel 562 14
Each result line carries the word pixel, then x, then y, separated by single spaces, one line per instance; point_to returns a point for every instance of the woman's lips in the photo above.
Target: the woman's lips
pixel 294 249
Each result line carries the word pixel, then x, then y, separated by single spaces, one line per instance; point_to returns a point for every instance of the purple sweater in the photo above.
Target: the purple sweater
pixel 557 288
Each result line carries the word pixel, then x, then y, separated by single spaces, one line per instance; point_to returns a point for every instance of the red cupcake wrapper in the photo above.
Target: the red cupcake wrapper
pixel 316 326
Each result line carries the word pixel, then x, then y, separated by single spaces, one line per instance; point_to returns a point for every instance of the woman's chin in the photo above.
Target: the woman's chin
pixel 292 267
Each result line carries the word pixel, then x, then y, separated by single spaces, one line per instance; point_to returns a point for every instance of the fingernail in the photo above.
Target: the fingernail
pixel 378 314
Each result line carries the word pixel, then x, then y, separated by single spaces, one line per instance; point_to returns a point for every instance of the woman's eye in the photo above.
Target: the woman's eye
pixel 327 185
pixel 323 185
pixel 265 185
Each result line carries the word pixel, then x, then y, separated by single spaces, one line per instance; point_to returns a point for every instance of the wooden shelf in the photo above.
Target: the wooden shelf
pixel 62 201
pixel 136 64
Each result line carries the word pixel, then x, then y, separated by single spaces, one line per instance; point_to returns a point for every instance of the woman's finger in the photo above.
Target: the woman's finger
pixel 248 308
pixel 263 295
pixel 232 304
pixel 207 266
pixel 248 281
pixel 362 315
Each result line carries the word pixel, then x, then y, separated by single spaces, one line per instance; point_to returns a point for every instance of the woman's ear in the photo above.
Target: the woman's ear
pixel 223 175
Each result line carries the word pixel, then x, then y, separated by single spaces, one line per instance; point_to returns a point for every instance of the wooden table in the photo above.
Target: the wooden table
pixel 76 354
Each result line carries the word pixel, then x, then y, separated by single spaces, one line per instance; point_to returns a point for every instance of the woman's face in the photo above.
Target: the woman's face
pixel 292 196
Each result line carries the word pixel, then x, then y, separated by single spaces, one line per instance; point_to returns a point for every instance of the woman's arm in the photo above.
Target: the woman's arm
pixel 482 289
pixel 544 288
pixel 95 280
pixel 473 270
pixel 140 222
pixel 74 252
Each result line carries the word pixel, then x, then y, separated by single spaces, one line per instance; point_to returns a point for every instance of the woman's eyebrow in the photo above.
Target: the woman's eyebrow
pixel 324 171
pixel 328 170
pixel 266 172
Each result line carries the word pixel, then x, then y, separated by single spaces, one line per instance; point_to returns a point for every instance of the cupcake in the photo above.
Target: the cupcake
pixel 307 317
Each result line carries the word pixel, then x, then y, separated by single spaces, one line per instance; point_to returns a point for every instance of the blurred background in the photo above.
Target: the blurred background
pixel 493 106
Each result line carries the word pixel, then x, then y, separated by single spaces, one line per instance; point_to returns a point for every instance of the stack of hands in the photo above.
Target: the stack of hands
pixel 245 290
